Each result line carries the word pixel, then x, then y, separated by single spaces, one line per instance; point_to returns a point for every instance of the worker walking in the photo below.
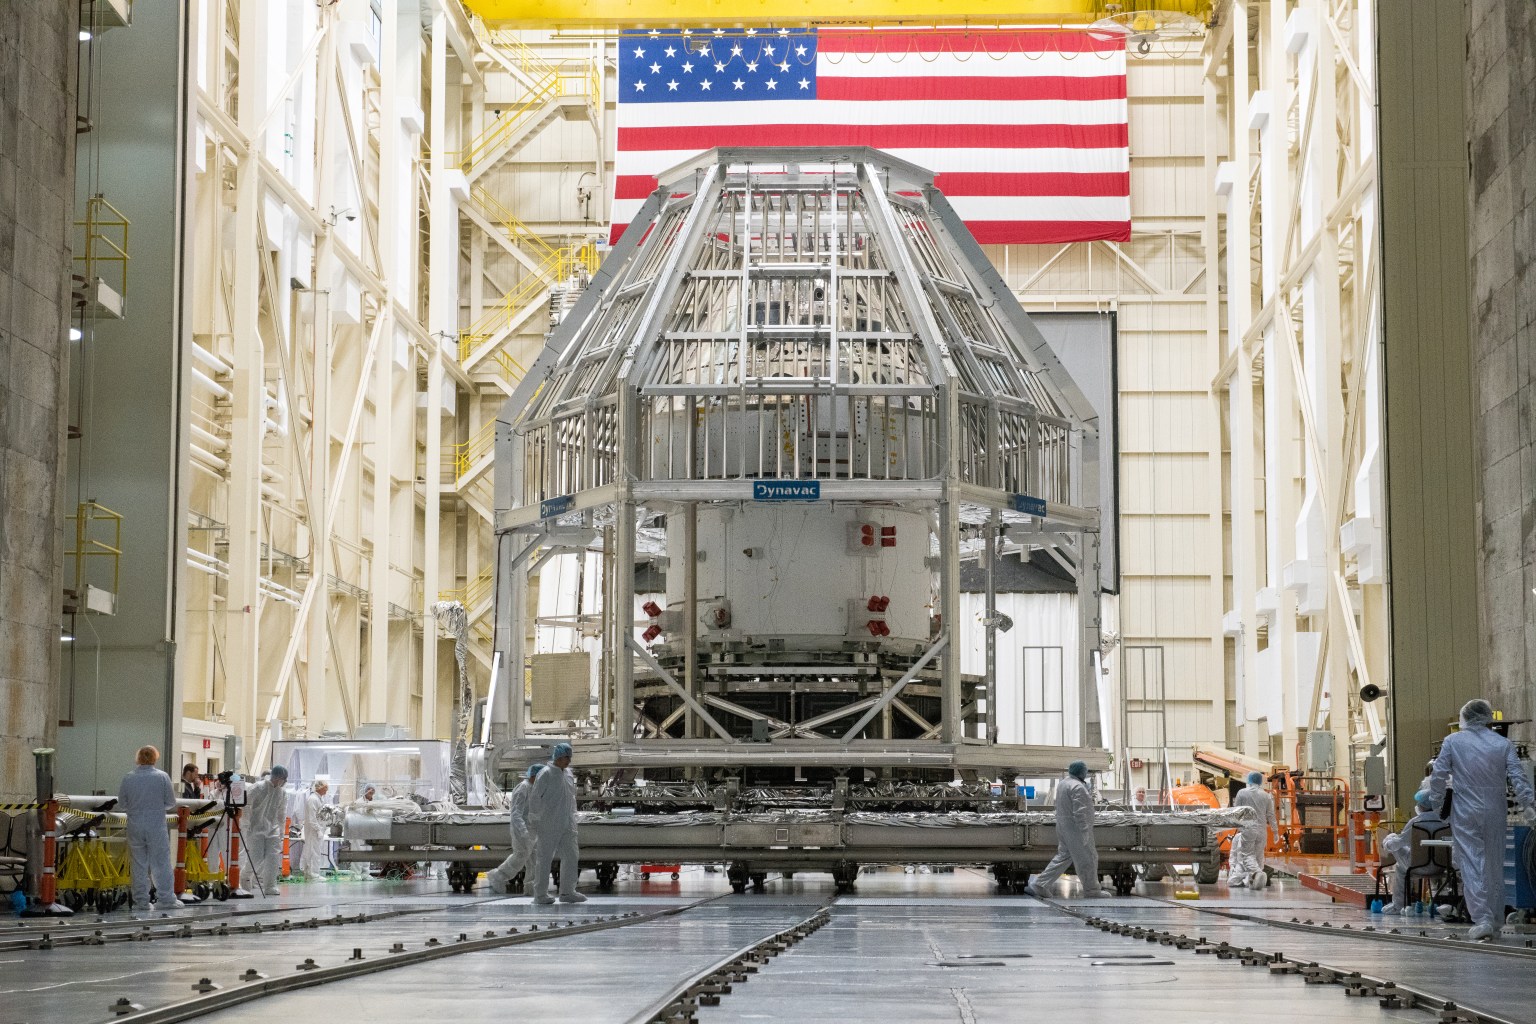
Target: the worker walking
pixel 552 820
pixel 521 856
pixel 1477 763
pixel 316 854
pixel 261 825
pixel 1400 846
pixel 1074 836
pixel 146 796
pixel 1246 865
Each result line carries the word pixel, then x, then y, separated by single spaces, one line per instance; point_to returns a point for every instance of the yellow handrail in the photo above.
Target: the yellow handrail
pixel 105 242
pixel 474 591
pixel 86 546
pixel 467 453
pixel 558 83
pixel 517 231
pixel 558 265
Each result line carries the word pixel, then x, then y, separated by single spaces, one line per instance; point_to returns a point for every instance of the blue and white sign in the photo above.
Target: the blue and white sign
pixel 1029 506
pixel 550 507
pixel 786 490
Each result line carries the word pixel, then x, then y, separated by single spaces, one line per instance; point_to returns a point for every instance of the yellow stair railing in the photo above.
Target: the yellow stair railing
pixel 105 248
pixel 474 591
pixel 556 266
pixel 550 82
pixel 463 455
pixel 520 233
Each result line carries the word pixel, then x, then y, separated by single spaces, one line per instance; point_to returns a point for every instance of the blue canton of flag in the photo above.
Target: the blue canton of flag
pixel 717 66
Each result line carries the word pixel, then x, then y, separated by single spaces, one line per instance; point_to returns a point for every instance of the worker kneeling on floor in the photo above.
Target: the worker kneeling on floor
pixel 1074 836
pixel 552 819
pixel 1246 866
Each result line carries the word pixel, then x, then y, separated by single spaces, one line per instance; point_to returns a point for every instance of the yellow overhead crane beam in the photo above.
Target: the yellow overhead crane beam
pixel 727 13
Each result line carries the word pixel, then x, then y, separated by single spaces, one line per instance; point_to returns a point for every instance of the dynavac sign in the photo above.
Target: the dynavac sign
pixel 786 490
pixel 1029 506
pixel 556 506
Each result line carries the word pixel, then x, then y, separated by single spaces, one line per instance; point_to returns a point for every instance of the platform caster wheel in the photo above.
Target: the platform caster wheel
pixel 675 876
pixel 607 873
pixel 738 875
pixel 1123 878
pixel 759 881
pixel 221 891
pixel 202 890
pixel 844 875
pixel 1207 873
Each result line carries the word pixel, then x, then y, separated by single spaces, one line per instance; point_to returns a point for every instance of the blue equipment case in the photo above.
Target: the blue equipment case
pixel 1520 867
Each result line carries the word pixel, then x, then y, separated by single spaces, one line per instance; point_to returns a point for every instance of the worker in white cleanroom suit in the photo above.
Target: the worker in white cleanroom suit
pixel 316 829
pixel 1400 846
pixel 1477 762
pixel 521 856
pixel 261 827
pixel 1074 835
pixel 1246 863
pixel 552 819
pixel 146 796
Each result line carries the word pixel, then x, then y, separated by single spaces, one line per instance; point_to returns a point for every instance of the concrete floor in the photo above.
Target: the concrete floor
pixel 904 947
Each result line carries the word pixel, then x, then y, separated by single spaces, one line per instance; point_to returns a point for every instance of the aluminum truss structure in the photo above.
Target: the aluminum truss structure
pixel 798 391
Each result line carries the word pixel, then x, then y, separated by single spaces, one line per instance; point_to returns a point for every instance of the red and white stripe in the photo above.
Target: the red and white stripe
pixel 1027 132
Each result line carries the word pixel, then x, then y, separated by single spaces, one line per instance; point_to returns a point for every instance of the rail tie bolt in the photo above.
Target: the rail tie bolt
pixel 357 954
pixel 252 974
pixel 308 965
pixel 205 985
pixel 123 1007
pixel 398 947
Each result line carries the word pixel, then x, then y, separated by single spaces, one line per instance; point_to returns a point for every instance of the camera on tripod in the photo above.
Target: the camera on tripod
pixel 234 789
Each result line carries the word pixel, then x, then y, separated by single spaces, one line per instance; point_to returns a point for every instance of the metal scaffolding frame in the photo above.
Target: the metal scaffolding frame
pixel 1300 379
pixel 813 320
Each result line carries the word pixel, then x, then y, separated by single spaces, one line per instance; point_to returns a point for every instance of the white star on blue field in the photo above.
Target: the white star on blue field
pixel 755 64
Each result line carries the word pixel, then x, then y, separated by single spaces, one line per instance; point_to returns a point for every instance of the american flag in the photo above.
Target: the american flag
pixel 1026 130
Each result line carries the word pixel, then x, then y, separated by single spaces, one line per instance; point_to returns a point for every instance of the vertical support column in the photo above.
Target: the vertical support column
pixel 248 392
pixel 1091 730
pixel 317 621
pixel 991 626
pixel 953 726
pixel 624 614
pixel 1245 532
pixel 443 314
pixel 1280 420
pixel 376 706
pixel 691 613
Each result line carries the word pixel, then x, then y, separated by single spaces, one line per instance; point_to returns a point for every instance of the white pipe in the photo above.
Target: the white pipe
pixel 268 491
pixel 213 440
pixel 210 383
pixel 210 360
pixel 208 457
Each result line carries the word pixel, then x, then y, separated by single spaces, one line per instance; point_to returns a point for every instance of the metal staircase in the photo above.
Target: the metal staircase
pixel 551 274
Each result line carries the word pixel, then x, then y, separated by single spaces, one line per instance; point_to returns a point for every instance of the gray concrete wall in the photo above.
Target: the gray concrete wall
pixel 38 53
pixel 1429 392
pixel 1501 132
